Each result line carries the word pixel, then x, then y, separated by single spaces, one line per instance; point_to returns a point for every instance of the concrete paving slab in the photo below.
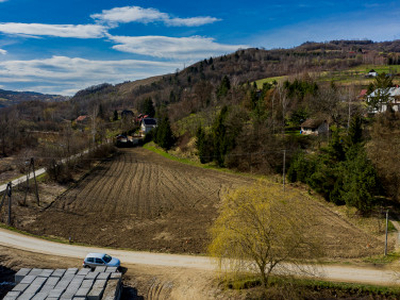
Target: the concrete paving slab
pixel 20 287
pixel 21 274
pixel 59 273
pixel 97 290
pixel 28 279
pixel 11 295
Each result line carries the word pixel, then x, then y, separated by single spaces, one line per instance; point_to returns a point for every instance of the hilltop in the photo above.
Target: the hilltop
pixel 9 98
pixel 200 81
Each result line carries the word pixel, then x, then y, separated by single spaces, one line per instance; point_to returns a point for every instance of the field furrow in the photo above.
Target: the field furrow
pixel 142 201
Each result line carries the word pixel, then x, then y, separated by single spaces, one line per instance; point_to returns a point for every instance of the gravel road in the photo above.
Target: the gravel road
pixel 328 272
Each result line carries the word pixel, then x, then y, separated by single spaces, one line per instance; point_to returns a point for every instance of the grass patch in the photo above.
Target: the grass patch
pixel 382 259
pixel 292 288
pixel 355 75
pixel 269 80
pixel 152 147
pixel 51 239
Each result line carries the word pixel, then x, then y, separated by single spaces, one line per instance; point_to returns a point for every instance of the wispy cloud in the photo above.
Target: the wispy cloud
pixel 194 47
pixel 138 14
pixel 65 31
pixel 66 75
pixel 3 1
pixel 190 22
pixel 3 52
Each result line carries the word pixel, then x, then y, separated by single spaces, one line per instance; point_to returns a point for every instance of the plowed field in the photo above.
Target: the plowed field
pixel 143 201
pixel 140 200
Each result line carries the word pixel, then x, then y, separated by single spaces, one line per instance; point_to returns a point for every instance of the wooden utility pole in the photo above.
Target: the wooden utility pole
pixel 31 166
pixel 9 193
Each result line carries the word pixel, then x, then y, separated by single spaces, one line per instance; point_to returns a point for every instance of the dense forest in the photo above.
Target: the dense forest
pixel 214 109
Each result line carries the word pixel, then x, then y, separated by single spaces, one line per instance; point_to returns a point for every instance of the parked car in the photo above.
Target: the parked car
pixel 93 260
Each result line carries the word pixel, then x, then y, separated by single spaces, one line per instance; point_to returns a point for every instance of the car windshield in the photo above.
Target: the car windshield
pixel 107 258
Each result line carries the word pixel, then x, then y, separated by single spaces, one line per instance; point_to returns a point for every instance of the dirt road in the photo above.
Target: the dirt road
pixel 333 273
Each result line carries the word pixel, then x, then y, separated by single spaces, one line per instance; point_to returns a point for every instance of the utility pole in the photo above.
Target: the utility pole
pixel 284 165
pixel 31 166
pixel 386 231
pixel 9 193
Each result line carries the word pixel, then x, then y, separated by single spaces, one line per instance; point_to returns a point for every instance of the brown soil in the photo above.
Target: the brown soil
pixel 139 200
pixel 8 169
pixel 143 201
pixel 139 281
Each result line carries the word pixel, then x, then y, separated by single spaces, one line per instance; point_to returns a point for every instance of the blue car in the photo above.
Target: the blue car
pixel 93 260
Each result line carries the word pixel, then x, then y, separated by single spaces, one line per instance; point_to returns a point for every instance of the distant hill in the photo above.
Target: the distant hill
pixel 9 98
pixel 195 87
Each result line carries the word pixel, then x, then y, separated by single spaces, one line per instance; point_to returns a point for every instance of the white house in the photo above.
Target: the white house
pixel 147 124
pixel 393 99
pixel 372 73
pixel 314 127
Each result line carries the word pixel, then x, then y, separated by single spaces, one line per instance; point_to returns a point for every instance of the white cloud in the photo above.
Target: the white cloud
pixel 65 31
pixel 65 75
pixel 3 52
pixel 190 22
pixel 194 47
pixel 138 14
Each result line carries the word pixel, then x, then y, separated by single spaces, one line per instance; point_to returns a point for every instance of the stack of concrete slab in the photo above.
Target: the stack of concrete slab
pixel 72 283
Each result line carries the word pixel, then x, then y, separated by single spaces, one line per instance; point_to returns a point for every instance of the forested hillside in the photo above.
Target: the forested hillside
pixel 9 98
pixel 214 111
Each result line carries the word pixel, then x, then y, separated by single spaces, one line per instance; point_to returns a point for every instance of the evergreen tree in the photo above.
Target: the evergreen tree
pixel 224 87
pixel 354 136
pixel 300 169
pixel 219 137
pixel 164 135
pixel 100 114
pixel 148 107
pixel 204 148
pixel 360 183
pixel 335 149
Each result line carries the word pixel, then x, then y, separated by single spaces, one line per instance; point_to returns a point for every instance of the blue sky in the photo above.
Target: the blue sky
pixel 61 47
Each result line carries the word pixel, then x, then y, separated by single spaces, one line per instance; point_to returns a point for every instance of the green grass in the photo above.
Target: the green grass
pixel 311 286
pixel 378 68
pixel 191 123
pixel 382 259
pixel 354 75
pixel 269 80
pixel 391 227
pixel 152 147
